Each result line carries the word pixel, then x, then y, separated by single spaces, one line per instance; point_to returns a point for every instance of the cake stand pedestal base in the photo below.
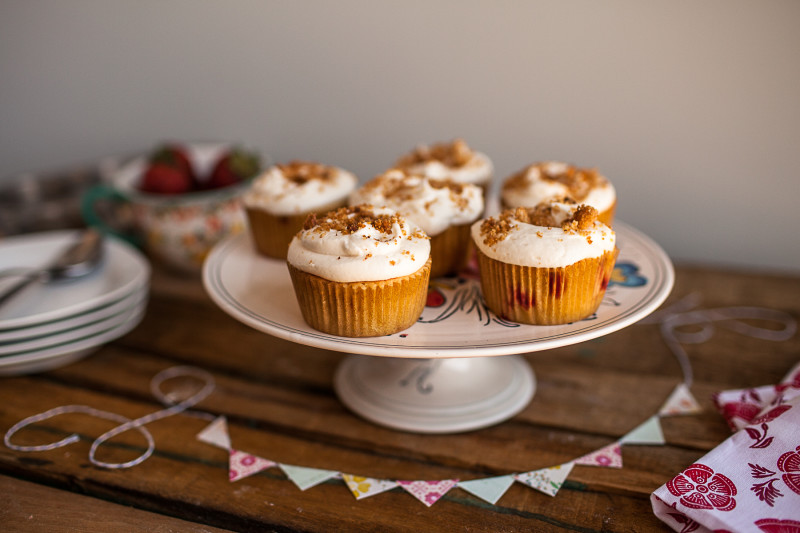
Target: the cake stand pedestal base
pixel 435 395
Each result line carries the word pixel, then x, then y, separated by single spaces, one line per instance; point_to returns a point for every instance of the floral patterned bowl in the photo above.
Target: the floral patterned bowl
pixel 177 230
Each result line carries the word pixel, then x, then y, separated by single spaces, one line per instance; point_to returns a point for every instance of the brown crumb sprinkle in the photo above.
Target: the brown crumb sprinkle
pixel 395 186
pixel 453 154
pixel 579 181
pixel 300 172
pixel 495 229
pixel 348 220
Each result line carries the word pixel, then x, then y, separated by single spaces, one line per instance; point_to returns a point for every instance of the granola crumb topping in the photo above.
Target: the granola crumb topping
pixel 300 172
pixel 495 229
pixel 453 154
pixel 579 181
pixel 348 220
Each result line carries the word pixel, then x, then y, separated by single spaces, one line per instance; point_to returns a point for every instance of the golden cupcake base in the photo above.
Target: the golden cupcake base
pixel 545 296
pixel 450 250
pixel 364 308
pixel 272 234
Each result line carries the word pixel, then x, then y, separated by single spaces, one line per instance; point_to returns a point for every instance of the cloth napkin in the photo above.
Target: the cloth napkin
pixel 750 482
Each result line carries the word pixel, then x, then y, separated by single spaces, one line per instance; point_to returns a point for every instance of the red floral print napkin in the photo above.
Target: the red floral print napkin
pixel 750 482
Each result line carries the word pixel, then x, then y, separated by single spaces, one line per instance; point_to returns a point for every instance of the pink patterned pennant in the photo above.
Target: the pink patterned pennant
pixel 428 492
pixel 241 465
pixel 609 456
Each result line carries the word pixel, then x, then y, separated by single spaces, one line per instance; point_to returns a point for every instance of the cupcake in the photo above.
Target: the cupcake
pixel 549 264
pixel 360 271
pixel 455 161
pixel 443 209
pixel 280 199
pixel 544 181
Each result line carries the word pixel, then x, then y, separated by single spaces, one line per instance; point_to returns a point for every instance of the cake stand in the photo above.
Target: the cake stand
pixel 443 374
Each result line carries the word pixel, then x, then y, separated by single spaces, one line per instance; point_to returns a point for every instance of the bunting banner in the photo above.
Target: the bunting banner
pixel 241 465
pixel 489 489
pixel 648 432
pixel 746 405
pixel 364 487
pixel 680 402
pixel 609 456
pixel 216 434
pixel 547 480
pixel 428 492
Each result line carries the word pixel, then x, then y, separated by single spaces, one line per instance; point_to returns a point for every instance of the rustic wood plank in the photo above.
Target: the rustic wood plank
pixel 33 507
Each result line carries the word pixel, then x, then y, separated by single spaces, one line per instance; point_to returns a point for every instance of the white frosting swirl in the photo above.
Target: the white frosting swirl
pixel 369 253
pixel 279 194
pixel 535 188
pixel 544 246
pixel 477 171
pixel 454 161
pixel 434 206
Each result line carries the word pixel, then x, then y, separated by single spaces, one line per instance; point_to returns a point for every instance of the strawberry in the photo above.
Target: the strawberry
pixel 174 155
pixel 161 178
pixel 234 166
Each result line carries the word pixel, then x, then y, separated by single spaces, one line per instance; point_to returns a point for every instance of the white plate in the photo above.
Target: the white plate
pixel 110 319
pixel 69 352
pixel 123 270
pixel 74 321
pixel 258 292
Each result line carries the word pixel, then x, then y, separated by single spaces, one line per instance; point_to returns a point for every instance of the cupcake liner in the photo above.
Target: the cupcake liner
pixel 545 296
pixel 607 216
pixel 361 309
pixel 450 250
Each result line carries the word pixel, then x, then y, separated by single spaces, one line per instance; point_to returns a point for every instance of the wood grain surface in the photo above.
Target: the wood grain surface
pixel 280 404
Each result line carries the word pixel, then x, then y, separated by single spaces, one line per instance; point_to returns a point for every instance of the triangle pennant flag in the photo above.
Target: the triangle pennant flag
pixel 241 465
pixel 649 432
pixel 364 487
pixel 547 480
pixel 216 434
pixel 489 489
pixel 680 402
pixel 305 477
pixel 609 456
pixel 428 492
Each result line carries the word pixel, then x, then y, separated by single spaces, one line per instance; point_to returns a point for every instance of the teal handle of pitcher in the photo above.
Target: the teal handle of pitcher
pixel 105 194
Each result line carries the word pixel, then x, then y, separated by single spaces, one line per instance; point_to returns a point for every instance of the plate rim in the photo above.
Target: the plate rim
pixel 56 338
pixel 114 245
pixel 135 316
pixel 657 293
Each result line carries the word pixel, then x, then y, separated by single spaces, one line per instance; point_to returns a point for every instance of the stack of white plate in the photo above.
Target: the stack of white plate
pixel 48 325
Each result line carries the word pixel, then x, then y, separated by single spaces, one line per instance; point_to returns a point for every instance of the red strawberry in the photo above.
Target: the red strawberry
pixel 176 156
pixel 234 166
pixel 161 178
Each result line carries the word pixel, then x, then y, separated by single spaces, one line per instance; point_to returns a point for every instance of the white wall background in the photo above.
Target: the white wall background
pixel 692 108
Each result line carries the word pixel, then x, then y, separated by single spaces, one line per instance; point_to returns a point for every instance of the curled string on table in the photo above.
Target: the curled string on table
pixel 682 313
pixel 126 424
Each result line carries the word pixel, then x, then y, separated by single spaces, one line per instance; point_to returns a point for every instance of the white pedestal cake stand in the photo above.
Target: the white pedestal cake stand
pixel 442 375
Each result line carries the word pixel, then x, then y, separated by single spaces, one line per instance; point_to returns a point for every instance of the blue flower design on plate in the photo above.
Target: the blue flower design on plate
pixel 627 275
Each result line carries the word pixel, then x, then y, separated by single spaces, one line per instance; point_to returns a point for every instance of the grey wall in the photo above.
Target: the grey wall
pixel 692 108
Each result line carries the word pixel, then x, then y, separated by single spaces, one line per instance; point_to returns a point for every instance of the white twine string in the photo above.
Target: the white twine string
pixel 126 424
pixel 680 314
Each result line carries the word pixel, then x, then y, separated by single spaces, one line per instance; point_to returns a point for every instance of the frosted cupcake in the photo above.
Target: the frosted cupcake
pixel 280 199
pixel 443 209
pixel 553 179
pixel 455 161
pixel 360 271
pixel 544 265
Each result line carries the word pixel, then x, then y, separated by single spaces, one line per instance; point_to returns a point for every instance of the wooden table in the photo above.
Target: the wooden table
pixel 280 404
